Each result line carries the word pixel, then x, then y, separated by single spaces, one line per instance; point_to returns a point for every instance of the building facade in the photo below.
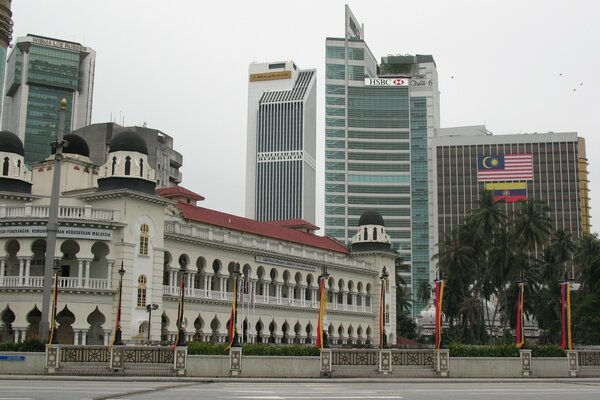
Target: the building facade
pixel 6 29
pixel 161 155
pixel 281 145
pixel 40 72
pixel 556 173
pixel 113 218
pixel 379 121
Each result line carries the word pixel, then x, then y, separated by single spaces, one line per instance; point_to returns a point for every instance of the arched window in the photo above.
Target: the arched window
pixel 19 167
pixel 5 167
pixel 127 165
pixel 141 293
pixel 141 168
pixel 374 233
pixel 114 165
pixel 366 234
pixel 144 240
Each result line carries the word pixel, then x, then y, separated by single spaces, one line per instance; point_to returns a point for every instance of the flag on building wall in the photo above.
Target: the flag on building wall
pixel 565 303
pixel 322 310
pixel 232 328
pixel 439 297
pixel 510 192
pixel 504 167
pixel 520 323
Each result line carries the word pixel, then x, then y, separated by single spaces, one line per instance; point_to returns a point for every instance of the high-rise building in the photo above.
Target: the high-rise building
pixel 6 30
pixel 281 146
pixel 40 72
pixel 161 155
pixel 379 119
pixel 551 167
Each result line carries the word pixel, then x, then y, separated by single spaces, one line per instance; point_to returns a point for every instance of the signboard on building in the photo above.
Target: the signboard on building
pixel 386 82
pixel 58 44
pixel 270 76
pixel 285 263
pixel 63 232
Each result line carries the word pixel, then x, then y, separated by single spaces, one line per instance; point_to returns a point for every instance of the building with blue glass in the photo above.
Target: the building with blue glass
pixel 40 72
pixel 379 121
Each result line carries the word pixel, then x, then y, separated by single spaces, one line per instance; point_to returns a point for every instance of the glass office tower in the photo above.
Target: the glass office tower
pixel 6 25
pixel 40 72
pixel 379 120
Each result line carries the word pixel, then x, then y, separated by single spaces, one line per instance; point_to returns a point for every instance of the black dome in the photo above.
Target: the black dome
pixel 371 218
pixel 77 145
pixel 129 141
pixel 10 143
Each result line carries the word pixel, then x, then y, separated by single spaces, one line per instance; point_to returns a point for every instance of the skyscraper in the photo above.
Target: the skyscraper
pixel 379 119
pixel 40 72
pixel 6 25
pixel 281 146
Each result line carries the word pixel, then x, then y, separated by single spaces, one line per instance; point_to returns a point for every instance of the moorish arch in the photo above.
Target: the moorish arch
pixel 7 333
pixel 34 316
pixel 95 334
pixel 215 326
pixel 65 320
pixel 259 327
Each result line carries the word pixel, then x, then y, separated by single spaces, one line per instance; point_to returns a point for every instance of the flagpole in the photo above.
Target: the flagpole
pixel 382 334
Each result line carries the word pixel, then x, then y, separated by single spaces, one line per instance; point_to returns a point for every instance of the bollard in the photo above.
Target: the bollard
pixel 525 362
pixel 325 362
pixel 52 358
pixel 235 361
pixel 385 361
pixel 573 361
pixel 180 360
pixel 442 361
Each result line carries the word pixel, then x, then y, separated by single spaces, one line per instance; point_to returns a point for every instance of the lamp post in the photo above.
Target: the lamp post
pixel 53 335
pixel 149 309
pixel 383 338
pixel 117 340
pixel 180 329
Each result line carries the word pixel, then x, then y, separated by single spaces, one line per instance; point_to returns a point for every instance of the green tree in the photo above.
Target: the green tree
pixel 424 291
pixel 532 224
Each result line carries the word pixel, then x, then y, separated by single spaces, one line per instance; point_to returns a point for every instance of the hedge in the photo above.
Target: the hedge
pixel 503 350
pixel 254 349
pixel 31 345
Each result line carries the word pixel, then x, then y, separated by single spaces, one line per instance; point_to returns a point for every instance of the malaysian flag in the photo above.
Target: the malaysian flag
pixel 504 167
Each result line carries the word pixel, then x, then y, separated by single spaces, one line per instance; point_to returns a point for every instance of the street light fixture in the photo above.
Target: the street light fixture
pixel 117 340
pixel 149 309
pixel 180 328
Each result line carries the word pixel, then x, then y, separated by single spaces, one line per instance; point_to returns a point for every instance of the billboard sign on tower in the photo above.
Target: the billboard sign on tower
pixel 354 30
pixel 393 82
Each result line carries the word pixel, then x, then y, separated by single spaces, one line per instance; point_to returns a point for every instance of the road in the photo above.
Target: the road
pixel 15 389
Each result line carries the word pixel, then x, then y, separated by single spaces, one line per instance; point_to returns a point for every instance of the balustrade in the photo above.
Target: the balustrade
pixel 64 212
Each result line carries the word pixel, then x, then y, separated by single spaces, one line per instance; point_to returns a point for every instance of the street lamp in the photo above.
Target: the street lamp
pixel 149 309
pixel 117 340
pixel 180 329
pixel 383 336
pixel 53 335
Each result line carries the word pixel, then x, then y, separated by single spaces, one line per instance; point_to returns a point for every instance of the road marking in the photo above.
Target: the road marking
pixel 316 396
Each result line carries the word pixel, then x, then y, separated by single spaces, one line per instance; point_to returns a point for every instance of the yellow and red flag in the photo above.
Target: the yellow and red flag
pixel 565 305
pixel 322 310
pixel 520 323
pixel 232 328
pixel 439 297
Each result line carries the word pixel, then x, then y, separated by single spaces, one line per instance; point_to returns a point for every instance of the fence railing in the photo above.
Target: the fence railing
pixel 588 358
pixel 85 354
pixel 101 354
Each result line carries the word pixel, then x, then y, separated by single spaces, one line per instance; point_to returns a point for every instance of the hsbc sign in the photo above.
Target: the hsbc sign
pixel 386 82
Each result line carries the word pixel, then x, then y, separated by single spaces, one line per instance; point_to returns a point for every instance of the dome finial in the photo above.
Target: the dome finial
pixel 63 104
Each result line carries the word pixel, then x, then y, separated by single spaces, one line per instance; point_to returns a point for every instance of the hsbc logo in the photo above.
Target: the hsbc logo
pixel 386 82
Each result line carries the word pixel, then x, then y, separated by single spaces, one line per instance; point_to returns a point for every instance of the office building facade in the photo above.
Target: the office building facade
pixel 6 29
pixel 379 120
pixel 281 145
pixel 161 155
pixel 40 72
pixel 469 160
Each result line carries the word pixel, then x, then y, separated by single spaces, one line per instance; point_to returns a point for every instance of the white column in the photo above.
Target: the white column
pixel 27 269
pixel 21 267
pixel 344 299
pixel 223 289
pixel 2 270
pixel 80 274
pixel 354 301
pixel 83 338
pixel 87 272
pixel 109 273
pixel 266 292
pixel 105 338
pixel 207 285
pixel 303 296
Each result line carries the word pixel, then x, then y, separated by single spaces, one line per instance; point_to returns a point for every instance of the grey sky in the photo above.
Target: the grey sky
pixel 181 67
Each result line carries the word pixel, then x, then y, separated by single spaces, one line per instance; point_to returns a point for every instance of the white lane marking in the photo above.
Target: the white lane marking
pixel 316 396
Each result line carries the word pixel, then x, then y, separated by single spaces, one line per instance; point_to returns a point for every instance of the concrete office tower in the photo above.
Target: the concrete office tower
pixel 6 29
pixel 40 72
pixel 161 155
pixel 556 174
pixel 281 146
pixel 379 119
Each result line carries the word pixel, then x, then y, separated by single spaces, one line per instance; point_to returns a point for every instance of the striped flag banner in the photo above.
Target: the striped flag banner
pixel 382 316
pixel 439 297
pixel 504 167
pixel 322 310
pixel 180 309
pixel 232 328
pixel 520 323
pixel 509 192
pixel 567 340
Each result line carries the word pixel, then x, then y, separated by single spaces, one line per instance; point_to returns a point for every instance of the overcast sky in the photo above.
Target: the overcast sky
pixel 182 67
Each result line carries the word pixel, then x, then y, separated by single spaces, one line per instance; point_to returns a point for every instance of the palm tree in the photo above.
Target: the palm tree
pixel 424 291
pixel 586 250
pixel 532 224
pixel 488 216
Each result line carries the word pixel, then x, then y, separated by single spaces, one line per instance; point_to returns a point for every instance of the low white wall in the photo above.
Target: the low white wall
pixel 549 367
pixel 208 366
pixel 280 367
pixel 486 367
pixel 34 364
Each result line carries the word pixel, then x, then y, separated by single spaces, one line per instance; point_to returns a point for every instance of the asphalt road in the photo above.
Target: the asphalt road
pixel 15 389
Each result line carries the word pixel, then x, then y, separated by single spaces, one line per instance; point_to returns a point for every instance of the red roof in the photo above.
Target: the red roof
pixel 268 229
pixel 295 223
pixel 178 191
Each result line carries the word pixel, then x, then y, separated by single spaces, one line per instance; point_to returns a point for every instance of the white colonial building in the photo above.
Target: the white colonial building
pixel 112 215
